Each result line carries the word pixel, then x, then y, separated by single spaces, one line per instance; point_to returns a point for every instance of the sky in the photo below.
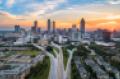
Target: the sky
pixel 104 14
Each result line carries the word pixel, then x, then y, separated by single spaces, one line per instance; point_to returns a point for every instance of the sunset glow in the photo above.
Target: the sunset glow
pixel 104 14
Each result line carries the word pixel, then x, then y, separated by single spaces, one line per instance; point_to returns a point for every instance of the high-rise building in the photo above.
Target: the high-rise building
pixel 82 27
pixel 34 28
pixel 35 24
pixel 17 28
pixel 75 34
pixel 74 28
pixel 54 26
pixel 49 25
pixel 38 30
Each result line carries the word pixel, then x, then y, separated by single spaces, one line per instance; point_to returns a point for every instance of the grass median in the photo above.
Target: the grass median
pixel 41 70
pixel 65 57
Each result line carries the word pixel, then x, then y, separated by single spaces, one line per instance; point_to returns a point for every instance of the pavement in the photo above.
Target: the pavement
pixel 57 66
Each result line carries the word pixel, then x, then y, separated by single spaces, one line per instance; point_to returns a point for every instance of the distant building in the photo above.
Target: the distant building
pixel 34 28
pixel 74 34
pixel 38 30
pixel 35 24
pixel 54 26
pixel 106 35
pixel 115 36
pixel 17 28
pixel 82 27
pixel 49 26
pixel 98 35
pixel 60 39
pixel 102 35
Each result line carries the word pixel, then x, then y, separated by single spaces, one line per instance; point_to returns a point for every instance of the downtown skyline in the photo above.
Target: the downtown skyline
pixel 102 14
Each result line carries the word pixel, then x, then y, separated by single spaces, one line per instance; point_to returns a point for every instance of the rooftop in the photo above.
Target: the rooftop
pixel 13 68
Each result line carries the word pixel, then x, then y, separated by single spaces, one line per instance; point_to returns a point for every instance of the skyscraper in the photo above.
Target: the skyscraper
pixel 17 28
pixel 54 26
pixel 75 34
pixel 34 28
pixel 35 24
pixel 49 25
pixel 82 27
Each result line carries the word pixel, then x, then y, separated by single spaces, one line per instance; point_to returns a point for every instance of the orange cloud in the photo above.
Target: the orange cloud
pixel 104 24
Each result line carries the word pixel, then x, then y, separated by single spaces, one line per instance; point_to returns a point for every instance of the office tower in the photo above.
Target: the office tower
pixel 34 28
pixel 98 35
pixel 74 28
pixel 38 30
pixel 17 28
pixel 54 26
pixel 49 25
pixel 82 27
pixel 102 35
pixel 115 34
pixel 106 36
pixel 75 35
pixel 35 24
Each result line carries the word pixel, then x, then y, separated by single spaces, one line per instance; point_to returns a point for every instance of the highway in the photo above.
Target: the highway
pixel 60 69
pixel 68 68
pixel 57 66
pixel 53 60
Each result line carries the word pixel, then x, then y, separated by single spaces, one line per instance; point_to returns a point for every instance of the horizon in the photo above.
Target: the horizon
pixel 103 14
pixel 12 28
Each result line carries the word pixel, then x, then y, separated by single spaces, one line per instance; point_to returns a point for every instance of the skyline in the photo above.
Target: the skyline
pixel 103 14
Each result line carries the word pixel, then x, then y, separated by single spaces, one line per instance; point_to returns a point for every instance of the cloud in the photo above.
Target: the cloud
pixel 108 23
pixel 47 6
pixel 6 14
pixel 114 1
pixel 10 3
pixel 52 8
pixel 112 17
pixel 90 11
pixel 30 9
pixel 11 16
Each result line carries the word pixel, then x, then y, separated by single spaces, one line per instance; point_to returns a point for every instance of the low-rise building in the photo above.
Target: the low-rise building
pixel 60 39
pixel 14 71
pixel 108 67
pixel 20 59
pixel 101 74
pixel 82 71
